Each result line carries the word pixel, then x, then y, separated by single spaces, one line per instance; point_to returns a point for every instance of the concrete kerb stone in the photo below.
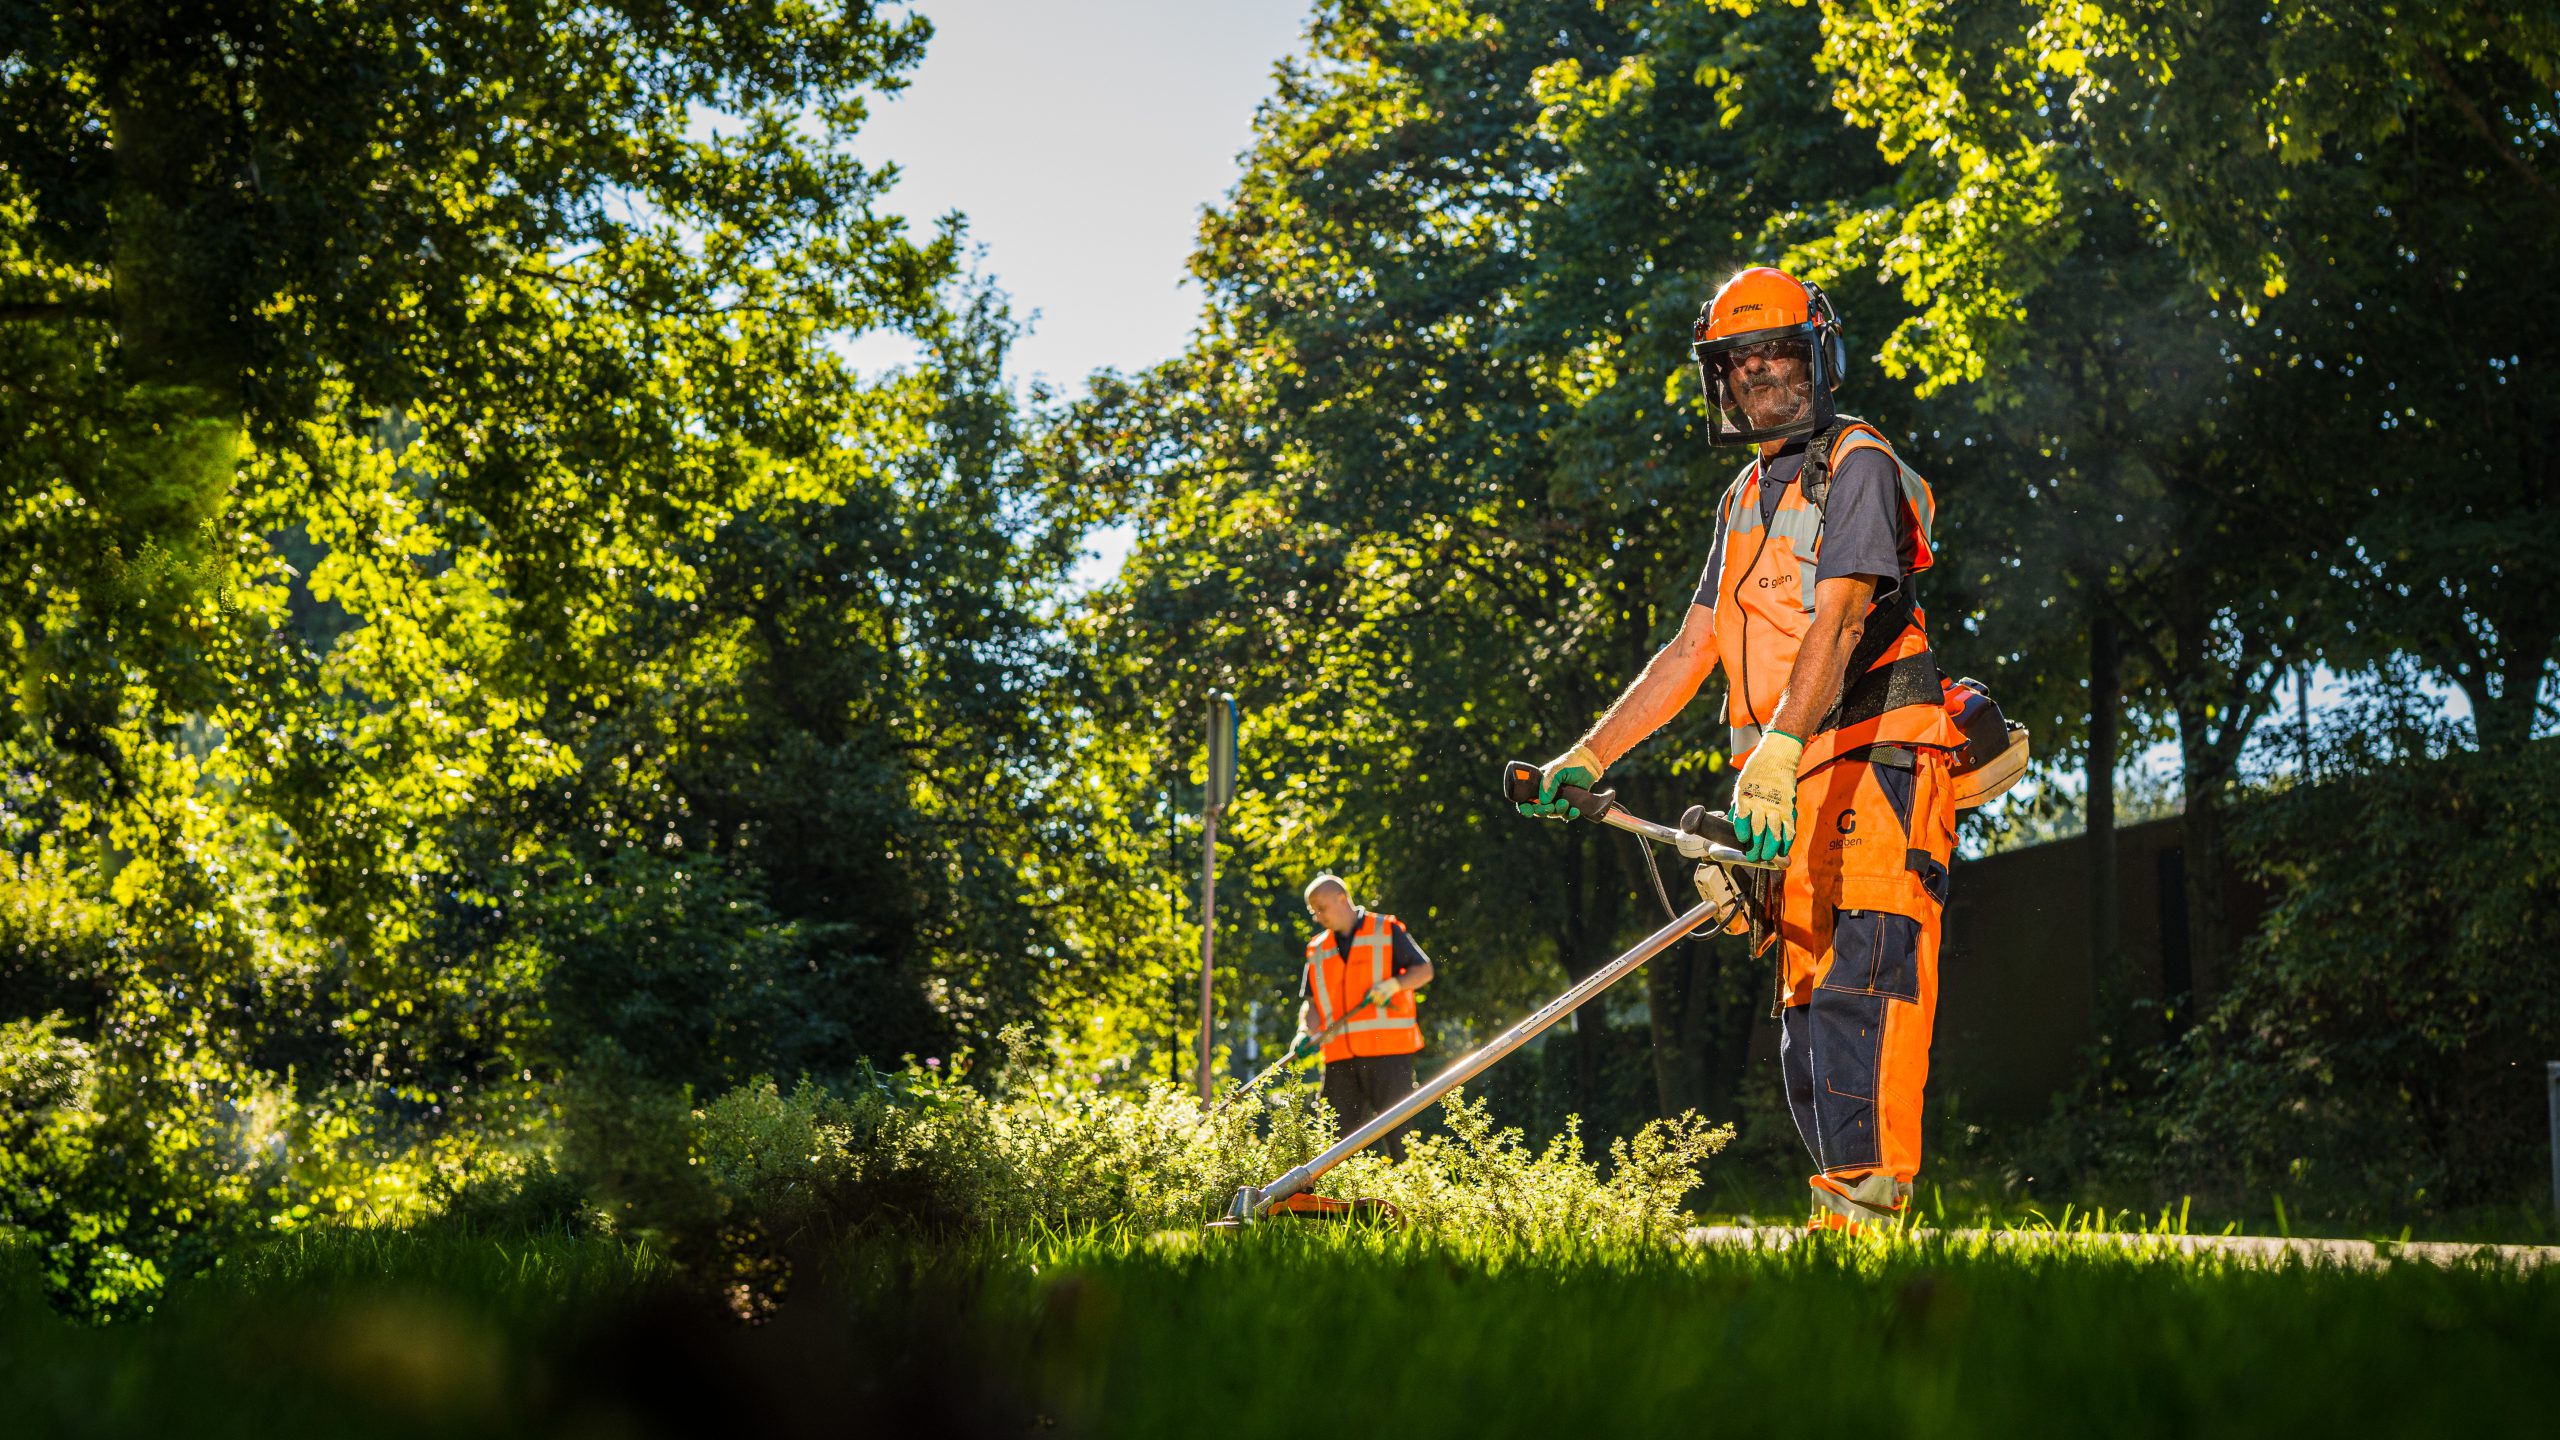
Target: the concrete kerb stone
pixel 2266 1250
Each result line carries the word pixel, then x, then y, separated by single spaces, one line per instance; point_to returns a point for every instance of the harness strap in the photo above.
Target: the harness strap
pixel 1884 625
pixel 1869 692
pixel 1813 477
pixel 1911 680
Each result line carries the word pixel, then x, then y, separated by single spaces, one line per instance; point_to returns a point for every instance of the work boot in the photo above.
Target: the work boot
pixel 1849 1206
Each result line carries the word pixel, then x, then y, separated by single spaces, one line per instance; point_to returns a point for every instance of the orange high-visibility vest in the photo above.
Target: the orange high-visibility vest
pixel 1764 605
pixel 1340 984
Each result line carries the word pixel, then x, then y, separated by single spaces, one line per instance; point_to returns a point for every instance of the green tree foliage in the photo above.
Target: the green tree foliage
pixel 474 639
pixel 2180 253
pixel 2352 191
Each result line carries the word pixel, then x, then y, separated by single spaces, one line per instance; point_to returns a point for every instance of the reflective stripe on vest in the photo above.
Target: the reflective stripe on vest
pixel 1765 600
pixel 1339 985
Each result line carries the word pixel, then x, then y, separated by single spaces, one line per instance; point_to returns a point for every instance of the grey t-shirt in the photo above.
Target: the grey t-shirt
pixel 1862 529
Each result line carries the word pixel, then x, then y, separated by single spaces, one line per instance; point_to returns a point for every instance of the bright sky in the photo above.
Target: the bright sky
pixel 1081 139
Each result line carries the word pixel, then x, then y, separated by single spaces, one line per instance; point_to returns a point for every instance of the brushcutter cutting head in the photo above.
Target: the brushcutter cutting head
pixel 1362 1211
pixel 1241 1211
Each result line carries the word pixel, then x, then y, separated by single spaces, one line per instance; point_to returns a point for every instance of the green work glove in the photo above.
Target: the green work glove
pixel 1301 1045
pixel 1382 992
pixel 1764 798
pixel 1577 766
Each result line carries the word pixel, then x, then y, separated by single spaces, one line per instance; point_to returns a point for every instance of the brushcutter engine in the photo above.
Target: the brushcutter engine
pixel 1995 749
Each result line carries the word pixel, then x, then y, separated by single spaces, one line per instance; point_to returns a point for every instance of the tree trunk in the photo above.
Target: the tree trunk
pixel 2205 839
pixel 182 259
pixel 180 220
pixel 2110 986
pixel 2505 722
pixel 1590 922
pixel 2203 767
pixel 1677 989
pixel 1738 988
pixel 1700 999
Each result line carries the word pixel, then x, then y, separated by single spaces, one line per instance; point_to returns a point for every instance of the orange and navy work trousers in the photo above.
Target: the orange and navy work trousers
pixel 1858 926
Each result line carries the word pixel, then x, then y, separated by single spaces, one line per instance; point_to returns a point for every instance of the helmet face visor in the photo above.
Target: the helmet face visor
pixel 1763 385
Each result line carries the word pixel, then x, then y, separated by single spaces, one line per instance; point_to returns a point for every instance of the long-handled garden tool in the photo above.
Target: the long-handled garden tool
pixel 1703 835
pixel 1287 1058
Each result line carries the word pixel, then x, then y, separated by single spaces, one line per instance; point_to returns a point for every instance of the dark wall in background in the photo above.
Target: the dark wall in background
pixel 2014 983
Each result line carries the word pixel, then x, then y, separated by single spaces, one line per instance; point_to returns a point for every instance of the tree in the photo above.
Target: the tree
pixel 466 615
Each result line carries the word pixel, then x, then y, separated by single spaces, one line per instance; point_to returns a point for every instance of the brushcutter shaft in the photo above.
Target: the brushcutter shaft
pixel 1252 1204
pixel 1663 834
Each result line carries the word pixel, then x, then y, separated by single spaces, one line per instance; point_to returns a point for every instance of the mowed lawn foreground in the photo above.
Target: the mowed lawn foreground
pixel 1291 1333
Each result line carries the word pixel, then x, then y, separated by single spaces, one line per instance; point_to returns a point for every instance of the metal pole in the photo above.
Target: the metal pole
pixel 2302 689
pixel 2551 1070
pixel 1208 933
pixel 1172 919
pixel 1252 1203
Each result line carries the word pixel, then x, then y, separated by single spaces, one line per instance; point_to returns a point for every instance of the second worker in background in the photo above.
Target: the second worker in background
pixel 1362 970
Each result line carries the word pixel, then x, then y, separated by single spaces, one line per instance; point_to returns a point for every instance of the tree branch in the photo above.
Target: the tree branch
pixel 564 280
pixel 24 311
pixel 2462 102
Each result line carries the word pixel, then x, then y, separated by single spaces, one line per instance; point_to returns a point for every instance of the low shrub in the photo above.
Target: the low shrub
pixel 1478 1181
pixel 737 1181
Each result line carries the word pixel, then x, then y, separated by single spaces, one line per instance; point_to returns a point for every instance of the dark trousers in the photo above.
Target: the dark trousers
pixel 1361 1088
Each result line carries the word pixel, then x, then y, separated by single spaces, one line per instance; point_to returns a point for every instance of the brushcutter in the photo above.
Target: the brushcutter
pixel 1703 834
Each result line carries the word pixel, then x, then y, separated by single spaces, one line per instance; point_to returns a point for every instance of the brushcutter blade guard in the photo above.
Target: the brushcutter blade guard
pixel 1362 1211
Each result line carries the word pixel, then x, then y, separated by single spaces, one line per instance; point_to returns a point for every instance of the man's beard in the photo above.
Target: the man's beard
pixel 1754 397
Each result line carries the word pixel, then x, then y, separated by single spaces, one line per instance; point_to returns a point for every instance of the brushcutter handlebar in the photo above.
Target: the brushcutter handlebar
pixel 1521 783
pixel 1711 826
pixel 1704 834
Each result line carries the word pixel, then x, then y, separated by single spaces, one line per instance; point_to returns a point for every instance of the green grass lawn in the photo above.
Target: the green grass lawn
pixel 1288 1332
pixel 1950 1198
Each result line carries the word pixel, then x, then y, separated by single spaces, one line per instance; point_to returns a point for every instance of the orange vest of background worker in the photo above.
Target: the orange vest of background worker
pixel 1838 716
pixel 1362 971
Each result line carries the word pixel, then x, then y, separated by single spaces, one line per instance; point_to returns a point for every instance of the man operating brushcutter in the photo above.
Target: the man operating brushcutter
pixel 1362 970
pixel 1809 604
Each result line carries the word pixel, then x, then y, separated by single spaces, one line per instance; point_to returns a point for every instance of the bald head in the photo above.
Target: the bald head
pixel 1329 900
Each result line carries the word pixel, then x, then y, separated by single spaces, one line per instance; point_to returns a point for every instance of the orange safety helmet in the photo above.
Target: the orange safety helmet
pixel 1767 312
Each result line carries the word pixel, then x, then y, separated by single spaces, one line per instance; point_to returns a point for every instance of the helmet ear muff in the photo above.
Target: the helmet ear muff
pixel 1710 374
